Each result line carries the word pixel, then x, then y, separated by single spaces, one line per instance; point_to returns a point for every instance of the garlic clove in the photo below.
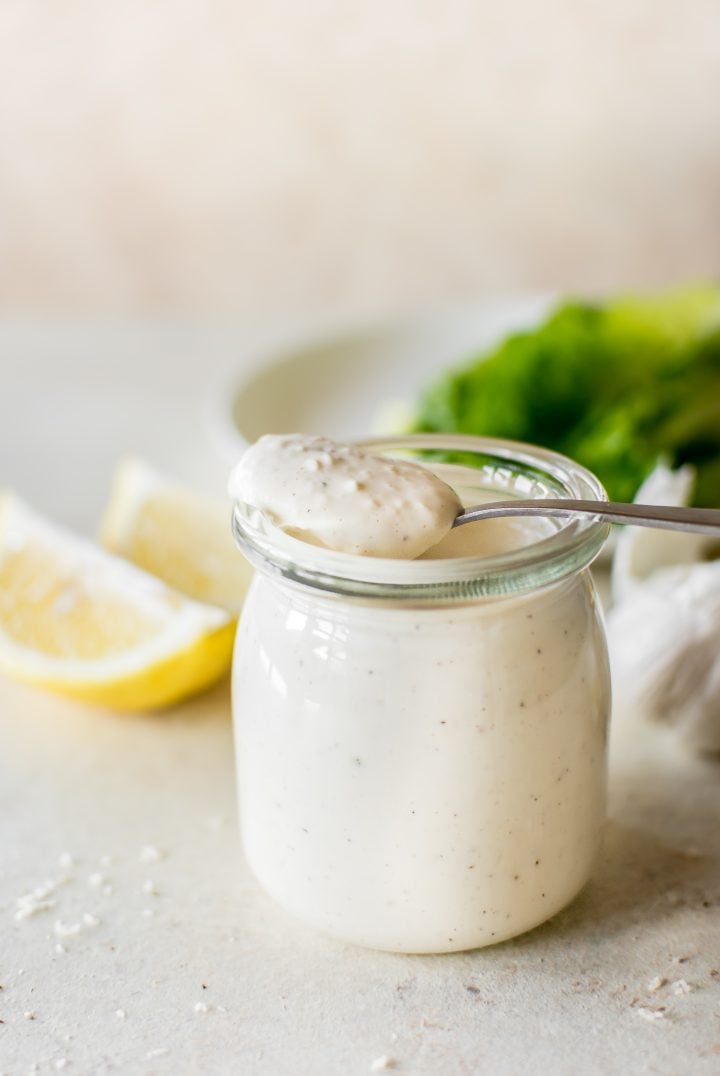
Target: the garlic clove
pixel 664 641
pixel 640 551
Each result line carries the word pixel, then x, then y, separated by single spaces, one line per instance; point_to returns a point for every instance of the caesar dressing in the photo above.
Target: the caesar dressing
pixel 422 768
pixel 344 498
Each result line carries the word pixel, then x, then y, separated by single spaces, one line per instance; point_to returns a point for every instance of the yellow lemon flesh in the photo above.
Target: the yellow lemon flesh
pixel 79 621
pixel 177 534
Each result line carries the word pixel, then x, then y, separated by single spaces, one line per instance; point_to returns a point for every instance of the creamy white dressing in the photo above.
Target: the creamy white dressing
pixel 344 498
pixel 423 777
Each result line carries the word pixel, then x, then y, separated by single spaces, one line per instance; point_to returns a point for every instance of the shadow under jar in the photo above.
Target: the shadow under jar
pixel 421 745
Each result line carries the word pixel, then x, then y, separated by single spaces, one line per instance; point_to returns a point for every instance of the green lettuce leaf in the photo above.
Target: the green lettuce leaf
pixel 616 387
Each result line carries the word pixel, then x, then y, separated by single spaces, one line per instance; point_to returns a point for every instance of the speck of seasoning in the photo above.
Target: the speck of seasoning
pixel 29 1015
pixel 657 983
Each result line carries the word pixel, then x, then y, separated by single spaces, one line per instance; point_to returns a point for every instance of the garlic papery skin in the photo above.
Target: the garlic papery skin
pixel 641 551
pixel 664 640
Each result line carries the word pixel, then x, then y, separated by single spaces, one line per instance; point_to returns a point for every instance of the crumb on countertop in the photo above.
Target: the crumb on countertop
pixel 150 854
pixel 380 1064
pixel 651 1015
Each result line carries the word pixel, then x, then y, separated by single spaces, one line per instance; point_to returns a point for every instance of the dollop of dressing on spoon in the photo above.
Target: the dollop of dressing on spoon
pixel 345 498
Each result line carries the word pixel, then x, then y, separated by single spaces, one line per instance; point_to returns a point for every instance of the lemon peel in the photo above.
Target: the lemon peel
pixel 78 621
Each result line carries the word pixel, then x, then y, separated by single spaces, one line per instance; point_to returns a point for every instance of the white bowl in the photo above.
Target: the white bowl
pixel 355 382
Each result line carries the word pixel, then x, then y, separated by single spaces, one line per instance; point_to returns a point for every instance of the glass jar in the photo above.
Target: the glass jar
pixel 421 745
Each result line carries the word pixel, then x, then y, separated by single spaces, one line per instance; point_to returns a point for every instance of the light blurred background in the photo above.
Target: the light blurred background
pixel 222 159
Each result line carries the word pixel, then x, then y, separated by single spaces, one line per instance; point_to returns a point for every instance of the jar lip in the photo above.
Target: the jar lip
pixel 573 546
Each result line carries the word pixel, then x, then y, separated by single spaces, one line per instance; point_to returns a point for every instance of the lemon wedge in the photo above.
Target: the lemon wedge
pixel 84 623
pixel 177 534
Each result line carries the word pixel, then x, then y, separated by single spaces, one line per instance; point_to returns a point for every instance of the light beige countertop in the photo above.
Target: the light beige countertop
pixel 169 959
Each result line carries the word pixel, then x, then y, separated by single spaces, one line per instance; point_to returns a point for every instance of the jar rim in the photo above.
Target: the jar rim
pixel 570 548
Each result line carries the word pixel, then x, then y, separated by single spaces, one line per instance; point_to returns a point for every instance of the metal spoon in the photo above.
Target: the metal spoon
pixel 700 520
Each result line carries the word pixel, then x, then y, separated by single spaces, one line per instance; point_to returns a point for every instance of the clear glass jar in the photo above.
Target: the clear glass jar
pixel 421 745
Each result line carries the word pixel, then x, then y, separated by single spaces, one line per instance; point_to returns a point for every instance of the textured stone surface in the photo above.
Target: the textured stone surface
pixel 173 961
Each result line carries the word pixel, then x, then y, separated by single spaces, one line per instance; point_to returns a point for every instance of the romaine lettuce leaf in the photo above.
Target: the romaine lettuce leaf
pixel 616 387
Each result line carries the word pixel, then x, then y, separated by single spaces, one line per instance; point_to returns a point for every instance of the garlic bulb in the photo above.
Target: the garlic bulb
pixel 665 651
pixel 664 628
pixel 640 551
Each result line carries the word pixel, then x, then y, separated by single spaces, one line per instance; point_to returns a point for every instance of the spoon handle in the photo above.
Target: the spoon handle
pixel 699 520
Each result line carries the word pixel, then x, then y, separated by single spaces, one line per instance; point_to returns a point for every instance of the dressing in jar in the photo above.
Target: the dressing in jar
pixel 421 744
